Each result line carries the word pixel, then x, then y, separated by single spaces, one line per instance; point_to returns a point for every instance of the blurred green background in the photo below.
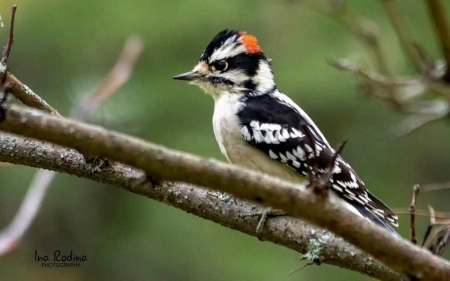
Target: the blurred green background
pixel 63 48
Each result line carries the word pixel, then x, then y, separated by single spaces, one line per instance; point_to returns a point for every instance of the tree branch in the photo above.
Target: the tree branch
pixel 168 165
pixel 286 231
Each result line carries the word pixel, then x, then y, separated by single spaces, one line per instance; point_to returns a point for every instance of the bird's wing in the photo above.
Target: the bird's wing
pixel 279 131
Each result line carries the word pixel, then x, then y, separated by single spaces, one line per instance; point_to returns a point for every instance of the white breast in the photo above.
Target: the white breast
pixel 225 122
pixel 236 149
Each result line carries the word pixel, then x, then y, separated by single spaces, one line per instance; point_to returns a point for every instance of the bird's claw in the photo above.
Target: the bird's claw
pixel 264 216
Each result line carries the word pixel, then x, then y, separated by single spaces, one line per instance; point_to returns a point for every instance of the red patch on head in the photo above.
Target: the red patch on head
pixel 250 42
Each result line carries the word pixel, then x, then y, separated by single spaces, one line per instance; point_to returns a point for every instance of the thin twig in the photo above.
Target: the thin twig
pixel 11 235
pixel 313 162
pixel 412 213
pixel 117 76
pixel 32 202
pixel 415 122
pixel 441 27
pixel 24 94
pixel 402 94
pixel 418 212
pixel 165 164
pixel 7 49
pixel 332 164
pixel 337 152
pixel 401 27
pixel 437 186
pixel 301 268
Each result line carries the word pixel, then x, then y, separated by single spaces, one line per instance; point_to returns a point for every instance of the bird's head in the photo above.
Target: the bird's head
pixel 232 63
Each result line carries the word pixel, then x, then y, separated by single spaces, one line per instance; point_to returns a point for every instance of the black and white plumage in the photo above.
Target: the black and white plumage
pixel 260 128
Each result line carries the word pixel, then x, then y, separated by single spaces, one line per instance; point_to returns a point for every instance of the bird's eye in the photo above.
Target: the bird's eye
pixel 221 65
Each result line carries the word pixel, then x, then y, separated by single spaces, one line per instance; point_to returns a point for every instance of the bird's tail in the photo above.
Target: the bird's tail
pixel 377 219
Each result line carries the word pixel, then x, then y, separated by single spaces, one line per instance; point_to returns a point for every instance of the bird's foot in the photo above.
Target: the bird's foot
pixel 264 216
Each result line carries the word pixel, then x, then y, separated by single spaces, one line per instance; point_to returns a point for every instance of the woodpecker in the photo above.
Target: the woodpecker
pixel 260 128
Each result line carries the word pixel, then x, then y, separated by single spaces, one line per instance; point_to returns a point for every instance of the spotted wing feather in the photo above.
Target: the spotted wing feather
pixel 276 129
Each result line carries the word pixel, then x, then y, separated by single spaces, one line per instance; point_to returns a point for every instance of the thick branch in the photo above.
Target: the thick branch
pixel 166 164
pixel 287 231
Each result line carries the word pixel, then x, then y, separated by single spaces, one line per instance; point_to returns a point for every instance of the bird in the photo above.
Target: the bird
pixel 260 128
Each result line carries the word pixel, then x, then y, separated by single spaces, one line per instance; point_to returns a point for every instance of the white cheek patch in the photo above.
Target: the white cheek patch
pixel 263 78
pixel 234 75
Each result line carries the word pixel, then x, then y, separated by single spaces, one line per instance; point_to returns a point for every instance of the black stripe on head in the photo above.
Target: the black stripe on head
pixel 218 41
pixel 249 63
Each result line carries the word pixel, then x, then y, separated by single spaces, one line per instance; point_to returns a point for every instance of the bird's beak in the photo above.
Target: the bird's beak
pixel 199 71
pixel 188 76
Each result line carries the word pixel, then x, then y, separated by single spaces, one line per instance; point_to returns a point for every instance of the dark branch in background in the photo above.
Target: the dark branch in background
pixel 401 27
pixel 286 231
pixel 440 24
pixel 412 213
pixel 7 48
pixel 168 165
pixel 12 234
pixel 406 94
pixel 364 30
